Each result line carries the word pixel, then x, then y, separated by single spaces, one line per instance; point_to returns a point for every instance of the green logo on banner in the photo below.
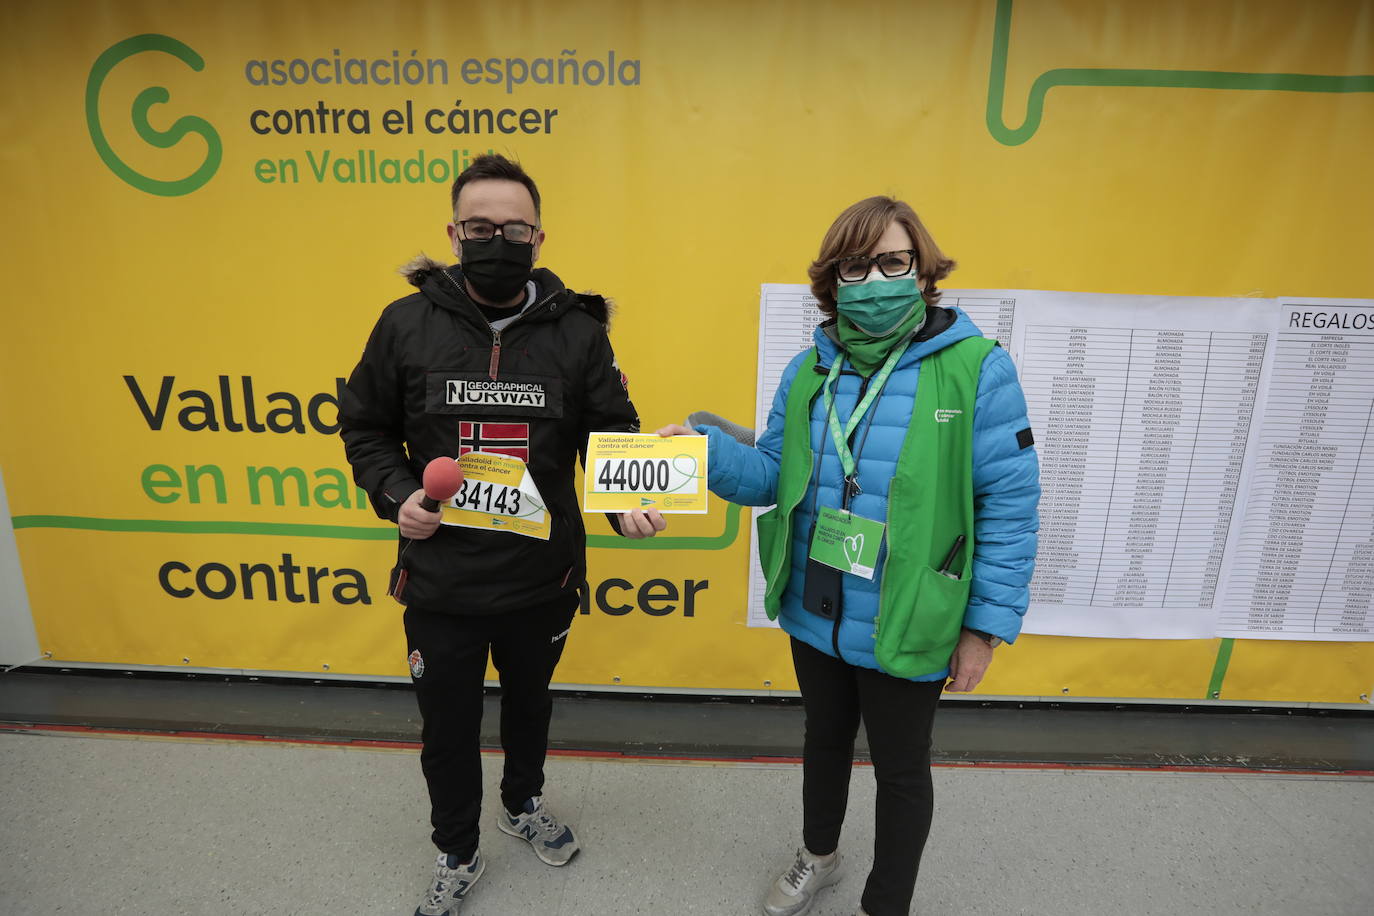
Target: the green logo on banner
pixel 154 95
pixel 1157 79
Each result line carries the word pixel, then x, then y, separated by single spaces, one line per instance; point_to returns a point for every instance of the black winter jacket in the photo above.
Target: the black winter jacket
pixel 400 410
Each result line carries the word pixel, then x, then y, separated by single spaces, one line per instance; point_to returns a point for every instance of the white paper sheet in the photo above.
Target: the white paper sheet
pixel 1305 561
pixel 1143 410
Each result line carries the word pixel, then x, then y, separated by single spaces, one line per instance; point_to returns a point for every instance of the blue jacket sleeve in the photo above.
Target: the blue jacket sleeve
pixel 744 475
pixel 1006 494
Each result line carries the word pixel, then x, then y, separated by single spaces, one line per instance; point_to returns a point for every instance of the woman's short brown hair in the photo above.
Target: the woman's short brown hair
pixel 857 230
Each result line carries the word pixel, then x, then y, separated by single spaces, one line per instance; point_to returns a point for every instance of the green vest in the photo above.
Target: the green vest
pixel 929 504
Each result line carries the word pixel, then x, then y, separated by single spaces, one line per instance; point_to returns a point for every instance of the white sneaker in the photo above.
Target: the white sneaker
pixel 451 883
pixel 795 890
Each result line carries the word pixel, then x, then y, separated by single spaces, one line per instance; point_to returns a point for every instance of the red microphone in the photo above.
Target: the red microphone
pixel 443 477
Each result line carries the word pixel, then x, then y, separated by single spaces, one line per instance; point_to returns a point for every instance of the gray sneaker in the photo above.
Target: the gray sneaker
pixel 451 883
pixel 553 843
pixel 795 890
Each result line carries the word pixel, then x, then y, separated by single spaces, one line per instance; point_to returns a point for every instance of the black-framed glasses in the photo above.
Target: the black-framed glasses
pixel 484 230
pixel 889 263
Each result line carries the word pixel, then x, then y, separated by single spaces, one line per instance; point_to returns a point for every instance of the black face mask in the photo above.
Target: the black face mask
pixel 497 269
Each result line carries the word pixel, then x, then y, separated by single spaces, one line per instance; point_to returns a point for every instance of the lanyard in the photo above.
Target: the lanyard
pixel 875 387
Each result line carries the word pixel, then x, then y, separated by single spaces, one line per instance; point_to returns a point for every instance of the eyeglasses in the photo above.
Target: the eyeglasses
pixel 890 263
pixel 484 230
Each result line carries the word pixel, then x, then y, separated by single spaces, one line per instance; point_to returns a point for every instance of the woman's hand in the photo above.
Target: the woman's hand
pixel 969 662
pixel 677 429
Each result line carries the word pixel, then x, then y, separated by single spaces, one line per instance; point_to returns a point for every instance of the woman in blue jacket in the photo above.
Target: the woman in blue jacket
pixel 900 550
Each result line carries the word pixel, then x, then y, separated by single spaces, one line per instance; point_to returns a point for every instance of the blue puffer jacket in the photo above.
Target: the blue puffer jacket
pixel 1006 490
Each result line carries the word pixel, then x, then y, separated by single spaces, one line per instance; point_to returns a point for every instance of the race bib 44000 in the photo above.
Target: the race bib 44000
pixel 642 471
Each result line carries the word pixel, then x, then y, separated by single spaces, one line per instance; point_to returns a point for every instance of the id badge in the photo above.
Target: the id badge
pixel 847 542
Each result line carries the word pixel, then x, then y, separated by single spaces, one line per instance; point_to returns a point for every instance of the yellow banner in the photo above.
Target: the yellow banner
pixel 207 210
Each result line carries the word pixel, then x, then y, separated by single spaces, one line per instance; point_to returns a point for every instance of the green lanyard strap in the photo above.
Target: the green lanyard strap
pixel 875 387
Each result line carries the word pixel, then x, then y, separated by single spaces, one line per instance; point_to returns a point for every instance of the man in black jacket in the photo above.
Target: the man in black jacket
pixel 497 357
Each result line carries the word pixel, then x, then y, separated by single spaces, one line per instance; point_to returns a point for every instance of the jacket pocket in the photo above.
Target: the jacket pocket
pixel 770 529
pixel 772 534
pixel 768 524
pixel 397 586
pixel 923 640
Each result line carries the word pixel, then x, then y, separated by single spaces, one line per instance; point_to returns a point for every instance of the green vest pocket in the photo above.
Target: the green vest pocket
pixel 925 639
pixel 771 527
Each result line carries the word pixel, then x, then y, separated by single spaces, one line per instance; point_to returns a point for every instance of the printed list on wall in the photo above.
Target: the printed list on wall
pixel 1200 458
pixel 1304 564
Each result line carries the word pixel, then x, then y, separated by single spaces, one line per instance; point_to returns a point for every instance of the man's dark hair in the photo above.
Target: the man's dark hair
pixel 493 166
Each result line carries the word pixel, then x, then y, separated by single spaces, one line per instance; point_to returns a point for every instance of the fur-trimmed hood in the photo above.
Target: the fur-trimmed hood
pixel 423 271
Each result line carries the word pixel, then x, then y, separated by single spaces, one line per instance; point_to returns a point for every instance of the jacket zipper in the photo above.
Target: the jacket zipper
pixel 882 583
pixel 839 615
pixel 494 366
pixel 786 555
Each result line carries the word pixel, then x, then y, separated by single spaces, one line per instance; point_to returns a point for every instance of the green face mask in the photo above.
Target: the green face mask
pixel 879 305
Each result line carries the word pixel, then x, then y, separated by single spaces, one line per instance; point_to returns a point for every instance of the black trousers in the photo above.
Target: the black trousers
pixel 525 647
pixel 898 715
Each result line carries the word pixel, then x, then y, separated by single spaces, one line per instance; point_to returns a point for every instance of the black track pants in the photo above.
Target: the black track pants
pixel 525 647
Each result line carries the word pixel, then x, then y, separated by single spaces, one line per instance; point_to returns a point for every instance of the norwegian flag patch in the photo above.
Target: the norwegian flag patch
pixel 511 439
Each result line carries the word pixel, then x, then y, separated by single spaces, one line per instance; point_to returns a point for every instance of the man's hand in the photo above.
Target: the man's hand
pixel 415 522
pixel 642 523
pixel 969 662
